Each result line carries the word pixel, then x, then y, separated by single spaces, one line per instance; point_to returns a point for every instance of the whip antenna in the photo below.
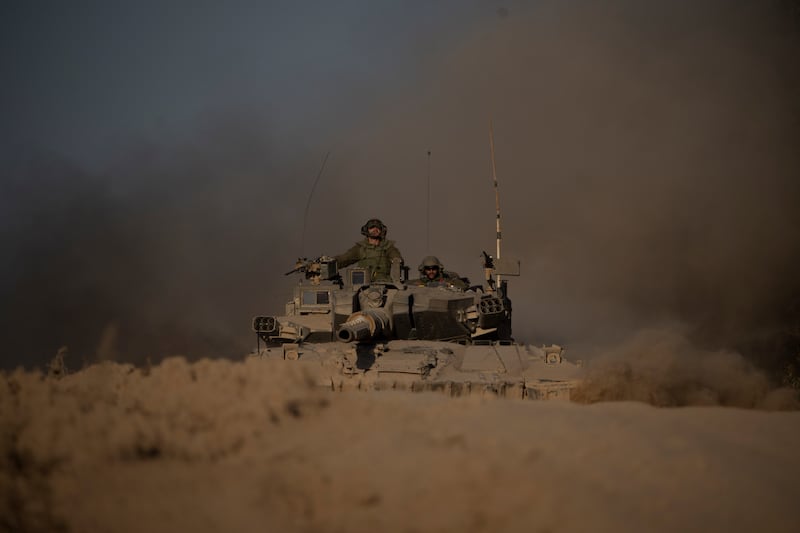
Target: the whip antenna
pixel 428 229
pixel 308 204
pixel 496 192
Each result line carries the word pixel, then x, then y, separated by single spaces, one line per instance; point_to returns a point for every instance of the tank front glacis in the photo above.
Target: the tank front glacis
pixel 329 305
pixel 397 334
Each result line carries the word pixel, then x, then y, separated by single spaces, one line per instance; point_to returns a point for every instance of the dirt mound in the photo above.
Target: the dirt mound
pixel 254 446
pixel 110 413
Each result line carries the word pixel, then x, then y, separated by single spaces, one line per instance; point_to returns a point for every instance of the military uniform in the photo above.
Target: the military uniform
pixel 444 279
pixel 377 257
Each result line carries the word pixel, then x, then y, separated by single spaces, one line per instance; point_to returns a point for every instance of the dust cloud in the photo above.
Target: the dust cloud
pixel 648 173
pixel 648 164
pixel 170 251
pixel 254 445
pixel 661 367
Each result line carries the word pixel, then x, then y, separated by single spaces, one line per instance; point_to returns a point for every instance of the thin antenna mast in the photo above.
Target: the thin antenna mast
pixel 308 204
pixel 428 229
pixel 496 192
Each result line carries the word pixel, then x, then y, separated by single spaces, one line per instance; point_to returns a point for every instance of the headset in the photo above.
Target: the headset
pixel 373 222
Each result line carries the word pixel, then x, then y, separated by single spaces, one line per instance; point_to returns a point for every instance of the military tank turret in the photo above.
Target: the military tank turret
pixel 352 333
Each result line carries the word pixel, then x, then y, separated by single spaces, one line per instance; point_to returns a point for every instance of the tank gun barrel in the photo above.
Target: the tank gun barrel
pixel 364 326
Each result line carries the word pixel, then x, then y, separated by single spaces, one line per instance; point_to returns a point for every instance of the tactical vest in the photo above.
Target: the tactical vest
pixel 376 258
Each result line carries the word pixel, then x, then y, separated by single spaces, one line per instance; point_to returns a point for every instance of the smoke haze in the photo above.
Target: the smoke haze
pixel 646 152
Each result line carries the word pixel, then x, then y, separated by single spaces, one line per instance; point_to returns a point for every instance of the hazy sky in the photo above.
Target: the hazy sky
pixel 86 77
pixel 157 158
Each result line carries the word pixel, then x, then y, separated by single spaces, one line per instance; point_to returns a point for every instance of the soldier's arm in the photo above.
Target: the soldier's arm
pixel 394 253
pixel 349 257
pixel 459 284
pixel 455 280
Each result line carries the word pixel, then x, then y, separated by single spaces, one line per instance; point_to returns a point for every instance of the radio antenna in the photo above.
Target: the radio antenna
pixel 496 192
pixel 428 229
pixel 308 204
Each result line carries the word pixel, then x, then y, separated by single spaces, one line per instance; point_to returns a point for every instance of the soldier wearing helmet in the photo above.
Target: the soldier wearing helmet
pixel 433 274
pixel 374 252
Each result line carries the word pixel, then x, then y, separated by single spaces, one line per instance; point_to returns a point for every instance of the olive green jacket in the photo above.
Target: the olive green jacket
pixel 378 258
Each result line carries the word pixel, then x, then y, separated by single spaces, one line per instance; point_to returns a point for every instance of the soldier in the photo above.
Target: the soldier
pixel 433 274
pixel 374 252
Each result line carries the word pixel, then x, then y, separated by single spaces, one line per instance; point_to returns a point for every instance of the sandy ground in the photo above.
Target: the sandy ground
pixel 254 446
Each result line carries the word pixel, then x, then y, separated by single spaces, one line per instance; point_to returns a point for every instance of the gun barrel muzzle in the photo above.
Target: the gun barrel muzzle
pixel 364 325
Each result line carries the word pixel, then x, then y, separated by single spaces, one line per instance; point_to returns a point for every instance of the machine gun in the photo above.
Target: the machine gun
pixel 488 270
pixel 321 268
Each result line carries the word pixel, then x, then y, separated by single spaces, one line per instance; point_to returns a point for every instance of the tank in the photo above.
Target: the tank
pixel 352 334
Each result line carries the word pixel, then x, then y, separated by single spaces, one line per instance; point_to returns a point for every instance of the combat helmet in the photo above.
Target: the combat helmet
pixel 430 261
pixel 374 222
